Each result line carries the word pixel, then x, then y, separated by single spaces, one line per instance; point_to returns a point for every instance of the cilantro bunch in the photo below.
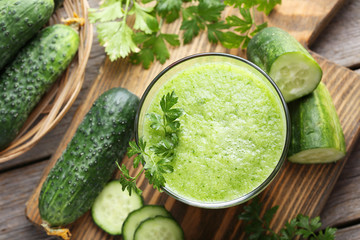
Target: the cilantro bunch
pixel 143 39
pixel 157 158
pixel 258 228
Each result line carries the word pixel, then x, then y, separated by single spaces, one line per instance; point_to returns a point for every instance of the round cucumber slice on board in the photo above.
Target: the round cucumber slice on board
pixel 287 62
pixel 135 218
pixel 316 133
pixel 112 207
pixel 159 228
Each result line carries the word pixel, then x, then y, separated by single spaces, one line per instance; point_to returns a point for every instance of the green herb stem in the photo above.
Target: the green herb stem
pixel 138 175
pixel 126 11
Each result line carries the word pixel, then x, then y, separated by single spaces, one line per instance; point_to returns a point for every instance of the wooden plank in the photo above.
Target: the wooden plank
pixel 294 184
pixel 305 20
pixel 343 206
pixel 349 233
pixel 16 187
pixel 338 41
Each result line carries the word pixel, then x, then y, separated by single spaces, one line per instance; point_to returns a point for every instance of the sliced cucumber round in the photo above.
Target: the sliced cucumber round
pixel 295 74
pixel 136 217
pixel 287 62
pixel 112 207
pixel 159 228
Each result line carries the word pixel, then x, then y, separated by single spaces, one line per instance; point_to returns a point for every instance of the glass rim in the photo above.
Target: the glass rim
pixel 268 180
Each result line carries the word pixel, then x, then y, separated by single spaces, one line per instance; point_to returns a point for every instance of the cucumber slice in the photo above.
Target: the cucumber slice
pixel 287 62
pixel 159 228
pixel 136 217
pixel 295 75
pixel 112 207
pixel 316 133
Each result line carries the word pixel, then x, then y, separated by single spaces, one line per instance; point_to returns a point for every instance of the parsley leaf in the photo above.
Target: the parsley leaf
pixel 241 25
pixel 231 40
pixel 126 181
pixel 170 114
pixel 267 5
pixel 210 10
pixel 156 159
pixel 135 150
pixel 169 9
pixel 168 101
pixel 245 24
pixel 206 15
pixel 111 33
pixel 164 148
pixel 153 45
pixel 107 12
pixel 191 28
pixel 145 43
pixel 160 49
pixel 215 32
pixel 257 227
pixel 172 39
pixel 156 121
pixel 144 21
pixel 115 36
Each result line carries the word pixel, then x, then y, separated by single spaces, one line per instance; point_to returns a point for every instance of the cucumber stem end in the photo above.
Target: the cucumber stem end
pixel 64 233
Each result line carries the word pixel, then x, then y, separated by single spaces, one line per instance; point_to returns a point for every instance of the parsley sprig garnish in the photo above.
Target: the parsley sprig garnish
pixel 143 40
pixel 257 227
pixel 157 158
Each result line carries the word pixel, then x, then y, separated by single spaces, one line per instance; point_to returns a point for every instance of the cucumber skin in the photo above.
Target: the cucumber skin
pixel 269 44
pixel 315 123
pixel 88 162
pixel 31 74
pixel 20 20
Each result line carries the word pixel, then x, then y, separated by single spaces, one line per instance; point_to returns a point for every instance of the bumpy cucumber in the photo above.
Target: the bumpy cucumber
pixel 88 162
pixel 20 20
pixel 112 207
pixel 136 217
pixel 287 62
pixel 31 74
pixel 317 136
pixel 159 228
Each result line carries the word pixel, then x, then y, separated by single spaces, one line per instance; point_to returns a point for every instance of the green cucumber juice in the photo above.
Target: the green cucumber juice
pixel 232 132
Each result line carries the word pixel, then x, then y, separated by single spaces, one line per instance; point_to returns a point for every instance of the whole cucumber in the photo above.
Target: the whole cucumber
pixel 31 74
pixel 19 21
pixel 90 158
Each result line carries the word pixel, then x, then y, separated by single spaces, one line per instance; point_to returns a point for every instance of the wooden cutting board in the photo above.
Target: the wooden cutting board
pixel 297 188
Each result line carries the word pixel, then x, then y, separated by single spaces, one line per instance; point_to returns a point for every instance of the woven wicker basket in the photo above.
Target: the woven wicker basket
pixel 61 96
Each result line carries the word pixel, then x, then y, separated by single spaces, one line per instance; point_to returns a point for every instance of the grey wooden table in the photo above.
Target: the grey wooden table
pixel 339 42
